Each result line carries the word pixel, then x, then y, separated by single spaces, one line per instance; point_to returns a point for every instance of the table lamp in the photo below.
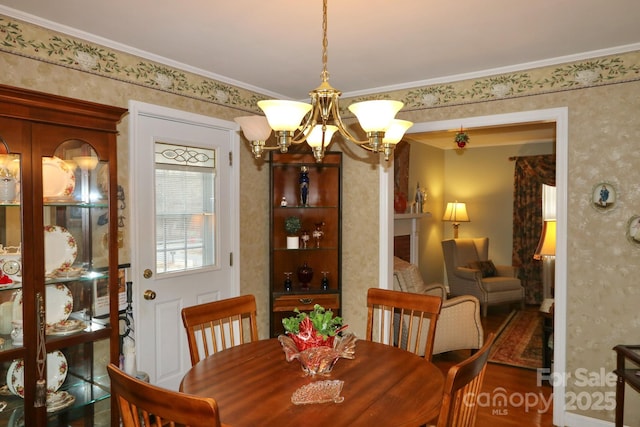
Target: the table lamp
pixel 456 213
pixel 546 251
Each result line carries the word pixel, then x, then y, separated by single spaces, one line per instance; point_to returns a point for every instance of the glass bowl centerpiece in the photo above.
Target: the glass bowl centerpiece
pixel 316 340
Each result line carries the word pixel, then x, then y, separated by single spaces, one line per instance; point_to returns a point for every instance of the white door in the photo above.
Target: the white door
pixel 184 205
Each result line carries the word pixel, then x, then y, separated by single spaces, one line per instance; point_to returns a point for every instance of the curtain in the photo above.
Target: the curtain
pixel 530 173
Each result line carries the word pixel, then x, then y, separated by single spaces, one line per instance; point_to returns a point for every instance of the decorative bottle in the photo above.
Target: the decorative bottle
pixel 304 185
pixel 324 284
pixel 287 281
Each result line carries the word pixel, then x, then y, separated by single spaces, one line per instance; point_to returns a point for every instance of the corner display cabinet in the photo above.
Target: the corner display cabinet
pixel 305 243
pixel 58 259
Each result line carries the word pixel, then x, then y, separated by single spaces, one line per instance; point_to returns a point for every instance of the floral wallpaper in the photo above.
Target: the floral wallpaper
pixel 602 96
pixel 42 44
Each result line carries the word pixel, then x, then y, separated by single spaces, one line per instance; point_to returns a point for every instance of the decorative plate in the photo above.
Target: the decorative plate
pixel 59 304
pixel 16 365
pixel 604 196
pixel 66 327
pixel 60 249
pixel 633 230
pixel 56 373
pixel 58 179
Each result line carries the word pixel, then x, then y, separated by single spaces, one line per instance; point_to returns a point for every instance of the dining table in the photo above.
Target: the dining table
pixel 253 385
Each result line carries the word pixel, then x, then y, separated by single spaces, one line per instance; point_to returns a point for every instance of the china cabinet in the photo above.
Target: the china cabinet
pixel 58 259
pixel 307 271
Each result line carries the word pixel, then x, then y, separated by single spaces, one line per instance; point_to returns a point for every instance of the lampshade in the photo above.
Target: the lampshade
pixel 255 128
pixel 456 212
pixel 375 115
pixel 315 137
pixel 293 122
pixel 396 131
pixel 547 243
pixel 284 115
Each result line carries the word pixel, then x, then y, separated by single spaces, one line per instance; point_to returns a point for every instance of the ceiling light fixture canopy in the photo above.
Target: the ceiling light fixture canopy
pixel 295 122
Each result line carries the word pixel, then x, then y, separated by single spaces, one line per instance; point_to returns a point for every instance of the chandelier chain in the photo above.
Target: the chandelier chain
pixel 296 122
pixel 325 43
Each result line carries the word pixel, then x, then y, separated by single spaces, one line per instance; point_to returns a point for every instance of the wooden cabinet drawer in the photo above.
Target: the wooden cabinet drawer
pixel 305 302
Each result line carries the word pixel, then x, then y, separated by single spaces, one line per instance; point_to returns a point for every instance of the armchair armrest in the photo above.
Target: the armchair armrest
pixel 468 273
pixel 436 289
pixel 459 326
pixel 507 270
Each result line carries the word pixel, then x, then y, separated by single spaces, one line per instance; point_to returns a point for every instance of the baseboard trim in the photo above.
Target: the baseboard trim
pixel 577 420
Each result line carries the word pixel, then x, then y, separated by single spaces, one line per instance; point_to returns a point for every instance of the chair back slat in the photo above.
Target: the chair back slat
pixel 218 325
pixel 143 404
pixel 402 319
pixel 462 387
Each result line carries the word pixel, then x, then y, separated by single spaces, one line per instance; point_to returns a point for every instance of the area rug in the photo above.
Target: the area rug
pixel 519 341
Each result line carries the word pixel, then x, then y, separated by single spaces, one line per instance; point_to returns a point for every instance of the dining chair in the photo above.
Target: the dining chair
pixel 403 319
pixel 144 404
pixel 217 325
pixel 461 388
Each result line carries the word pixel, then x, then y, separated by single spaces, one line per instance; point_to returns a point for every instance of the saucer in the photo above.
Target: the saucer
pixel 66 327
pixel 59 400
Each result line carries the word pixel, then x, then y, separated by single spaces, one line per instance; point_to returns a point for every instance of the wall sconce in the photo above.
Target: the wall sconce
pixel 456 213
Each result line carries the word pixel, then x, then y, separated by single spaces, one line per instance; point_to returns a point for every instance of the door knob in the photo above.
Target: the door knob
pixel 147 273
pixel 149 295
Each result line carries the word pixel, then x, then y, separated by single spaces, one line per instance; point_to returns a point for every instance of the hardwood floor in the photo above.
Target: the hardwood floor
pixel 527 403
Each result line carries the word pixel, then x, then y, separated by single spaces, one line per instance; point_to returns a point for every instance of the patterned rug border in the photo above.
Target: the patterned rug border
pixel 519 341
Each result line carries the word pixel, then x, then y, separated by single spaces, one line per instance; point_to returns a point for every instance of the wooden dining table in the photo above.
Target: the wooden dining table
pixel 383 386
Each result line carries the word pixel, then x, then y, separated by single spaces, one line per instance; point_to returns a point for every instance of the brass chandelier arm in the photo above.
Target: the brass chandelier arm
pixel 321 118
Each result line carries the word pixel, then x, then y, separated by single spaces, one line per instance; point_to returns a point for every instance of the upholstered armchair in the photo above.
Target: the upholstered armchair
pixel 459 326
pixel 471 272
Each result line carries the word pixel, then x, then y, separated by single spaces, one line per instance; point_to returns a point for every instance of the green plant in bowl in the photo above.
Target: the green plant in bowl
pixel 292 225
pixel 316 328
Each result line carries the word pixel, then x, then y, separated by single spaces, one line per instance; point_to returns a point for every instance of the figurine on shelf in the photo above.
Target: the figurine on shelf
pixel 318 233
pixel 304 185
pixel 420 199
pixel 283 202
pixel 305 237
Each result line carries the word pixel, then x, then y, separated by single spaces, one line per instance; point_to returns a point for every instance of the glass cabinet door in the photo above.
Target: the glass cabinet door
pixel 75 190
pixel 58 261
pixel 11 308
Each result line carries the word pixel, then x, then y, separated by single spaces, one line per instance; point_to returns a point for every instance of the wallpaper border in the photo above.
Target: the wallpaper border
pixel 42 44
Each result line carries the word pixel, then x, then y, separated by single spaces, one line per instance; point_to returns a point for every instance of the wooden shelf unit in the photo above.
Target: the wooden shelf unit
pixel 324 205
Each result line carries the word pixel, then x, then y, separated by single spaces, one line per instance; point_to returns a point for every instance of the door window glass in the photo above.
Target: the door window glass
pixel 185 207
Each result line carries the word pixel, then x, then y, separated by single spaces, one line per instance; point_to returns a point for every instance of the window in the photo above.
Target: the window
pixel 185 208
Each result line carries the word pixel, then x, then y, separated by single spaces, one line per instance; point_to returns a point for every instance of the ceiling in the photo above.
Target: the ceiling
pixel 274 47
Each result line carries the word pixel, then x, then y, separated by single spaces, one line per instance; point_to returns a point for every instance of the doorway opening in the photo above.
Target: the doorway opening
pixel 559 116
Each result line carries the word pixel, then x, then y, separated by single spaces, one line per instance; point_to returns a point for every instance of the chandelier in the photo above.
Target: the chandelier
pixel 296 122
